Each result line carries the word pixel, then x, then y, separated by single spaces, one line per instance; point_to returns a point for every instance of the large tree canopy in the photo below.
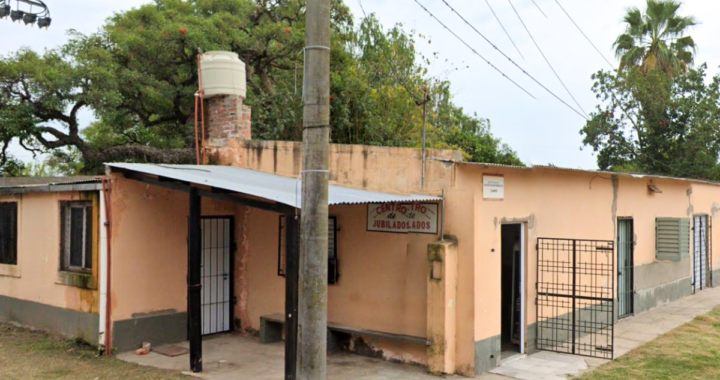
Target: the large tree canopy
pixel 658 115
pixel 138 75
pixel 655 123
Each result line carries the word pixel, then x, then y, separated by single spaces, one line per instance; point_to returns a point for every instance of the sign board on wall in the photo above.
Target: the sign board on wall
pixel 493 187
pixel 419 218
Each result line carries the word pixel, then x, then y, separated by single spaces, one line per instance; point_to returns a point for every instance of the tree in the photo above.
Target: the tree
pixel 657 124
pixel 656 39
pixel 138 75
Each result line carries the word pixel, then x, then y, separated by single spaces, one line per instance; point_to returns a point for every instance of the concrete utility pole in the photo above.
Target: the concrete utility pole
pixel 314 219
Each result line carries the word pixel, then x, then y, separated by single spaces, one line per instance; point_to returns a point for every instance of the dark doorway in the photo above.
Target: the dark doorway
pixel 511 289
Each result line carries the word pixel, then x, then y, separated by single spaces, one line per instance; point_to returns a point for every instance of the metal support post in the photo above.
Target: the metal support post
pixel 194 281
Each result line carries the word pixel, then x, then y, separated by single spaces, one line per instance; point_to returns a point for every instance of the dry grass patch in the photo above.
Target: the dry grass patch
pixel 691 351
pixel 30 355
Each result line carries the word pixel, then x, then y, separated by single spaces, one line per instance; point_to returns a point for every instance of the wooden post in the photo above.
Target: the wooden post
pixel 194 281
pixel 314 233
pixel 292 275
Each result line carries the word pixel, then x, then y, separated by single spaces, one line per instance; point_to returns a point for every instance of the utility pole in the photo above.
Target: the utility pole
pixel 314 218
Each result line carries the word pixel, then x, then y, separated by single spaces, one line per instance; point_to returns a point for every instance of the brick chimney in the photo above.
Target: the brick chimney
pixel 227 118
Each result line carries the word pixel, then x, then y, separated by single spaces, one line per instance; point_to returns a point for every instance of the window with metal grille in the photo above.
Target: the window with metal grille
pixel 76 236
pixel 8 233
pixel 672 238
pixel 333 265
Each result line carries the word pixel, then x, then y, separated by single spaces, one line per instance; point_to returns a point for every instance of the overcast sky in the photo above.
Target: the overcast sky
pixel 541 130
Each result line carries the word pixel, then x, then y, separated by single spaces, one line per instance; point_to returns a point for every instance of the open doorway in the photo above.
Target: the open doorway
pixel 513 297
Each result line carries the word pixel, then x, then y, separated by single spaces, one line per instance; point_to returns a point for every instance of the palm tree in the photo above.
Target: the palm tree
pixel 656 39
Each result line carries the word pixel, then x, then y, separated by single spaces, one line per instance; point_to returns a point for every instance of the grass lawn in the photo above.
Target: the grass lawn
pixel 27 355
pixel 691 351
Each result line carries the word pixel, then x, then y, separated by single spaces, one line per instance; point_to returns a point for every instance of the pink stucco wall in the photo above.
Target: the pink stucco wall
pixel 570 204
pixel 36 276
pixel 382 284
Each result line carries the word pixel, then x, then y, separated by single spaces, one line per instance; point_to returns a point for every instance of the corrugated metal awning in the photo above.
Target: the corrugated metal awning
pixel 23 185
pixel 264 185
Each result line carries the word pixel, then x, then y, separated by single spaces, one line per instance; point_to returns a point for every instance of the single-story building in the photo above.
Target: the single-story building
pixel 49 254
pixel 454 269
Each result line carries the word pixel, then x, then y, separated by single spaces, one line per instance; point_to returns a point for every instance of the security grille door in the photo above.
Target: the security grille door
pixel 701 259
pixel 575 296
pixel 625 267
pixel 216 275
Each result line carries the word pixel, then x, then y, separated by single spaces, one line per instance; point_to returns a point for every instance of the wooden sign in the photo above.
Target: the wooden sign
pixel 421 218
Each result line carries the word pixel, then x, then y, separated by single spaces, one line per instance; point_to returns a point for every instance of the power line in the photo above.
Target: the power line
pixel 473 50
pixel 601 54
pixel 503 27
pixel 540 9
pixel 513 62
pixel 544 57
pixel 584 35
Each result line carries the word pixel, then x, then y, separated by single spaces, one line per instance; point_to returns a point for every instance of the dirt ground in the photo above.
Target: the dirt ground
pixel 30 355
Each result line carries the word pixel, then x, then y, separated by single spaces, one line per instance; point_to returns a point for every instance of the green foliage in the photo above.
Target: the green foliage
pixel 657 124
pixel 138 75
pixel 656 39
pixel 13 167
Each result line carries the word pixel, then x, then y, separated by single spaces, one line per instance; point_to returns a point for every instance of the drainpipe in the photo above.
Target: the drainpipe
pixel 442 216
pixel 105 328
pixel 424 134
pixel 426 99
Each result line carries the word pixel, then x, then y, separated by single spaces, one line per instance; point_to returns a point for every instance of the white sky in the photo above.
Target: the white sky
pixel 541 130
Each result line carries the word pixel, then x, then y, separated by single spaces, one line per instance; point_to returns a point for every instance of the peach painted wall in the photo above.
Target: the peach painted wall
pixel 387 169
pixel 35 278
pixel 383 276
pixel 567 204
pixel 149 247
pixel 382 283
pixel 460 223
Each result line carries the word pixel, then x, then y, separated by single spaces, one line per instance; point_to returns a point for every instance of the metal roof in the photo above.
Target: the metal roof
pixel 6 182
pixel 273 187
pixel 18 185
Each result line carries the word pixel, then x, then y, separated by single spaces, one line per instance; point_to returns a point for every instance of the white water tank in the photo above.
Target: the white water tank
pixel 223 73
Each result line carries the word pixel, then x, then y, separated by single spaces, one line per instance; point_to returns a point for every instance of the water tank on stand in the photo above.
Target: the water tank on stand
pixel 223 73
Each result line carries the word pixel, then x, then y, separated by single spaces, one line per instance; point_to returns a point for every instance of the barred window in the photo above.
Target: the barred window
pixel 333 265
pixel 8 233
pixel 76 236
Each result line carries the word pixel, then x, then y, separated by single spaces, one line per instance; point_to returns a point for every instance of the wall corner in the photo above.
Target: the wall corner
pixel 441 310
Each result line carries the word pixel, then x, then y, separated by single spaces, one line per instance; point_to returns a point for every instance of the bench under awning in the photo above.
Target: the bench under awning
pixel 272 187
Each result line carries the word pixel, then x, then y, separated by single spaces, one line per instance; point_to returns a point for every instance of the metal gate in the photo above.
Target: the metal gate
pixel 625 253
pixel 702 253
pixel 575 296
pixel 216 274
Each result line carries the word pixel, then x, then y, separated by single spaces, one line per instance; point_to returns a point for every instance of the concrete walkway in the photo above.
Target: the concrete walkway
pixel 630 333
pixel 236 357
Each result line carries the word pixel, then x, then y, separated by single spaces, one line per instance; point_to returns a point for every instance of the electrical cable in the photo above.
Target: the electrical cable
pixel 601 55
pixel 540 9
pixel 511 61
pixel 546 60
pixel 473 50
pixel 584 35
pixel 503 27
